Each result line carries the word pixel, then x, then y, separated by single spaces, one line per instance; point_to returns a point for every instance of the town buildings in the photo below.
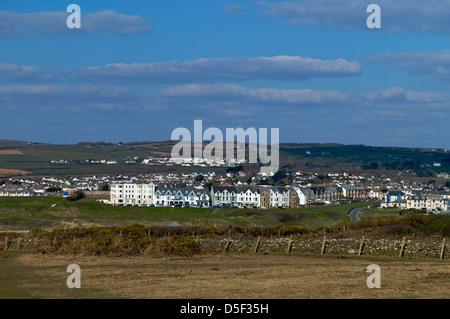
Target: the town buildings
pixel 187 189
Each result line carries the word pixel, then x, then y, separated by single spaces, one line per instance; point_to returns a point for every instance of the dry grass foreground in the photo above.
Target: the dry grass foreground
pixel 225 276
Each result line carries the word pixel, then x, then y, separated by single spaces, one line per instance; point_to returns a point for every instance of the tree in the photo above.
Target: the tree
pixel 79 194
pixel 447 184
pixel 105 187
pixel 199 178
pixel 208 185
pixel 322 179
pixel 279 176
pixel 234 169
pixel 372 165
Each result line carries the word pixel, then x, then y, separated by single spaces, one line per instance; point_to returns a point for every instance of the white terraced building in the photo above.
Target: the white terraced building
pixel 130 194
pixel 429 203
pixel 186 196
pixel 147 194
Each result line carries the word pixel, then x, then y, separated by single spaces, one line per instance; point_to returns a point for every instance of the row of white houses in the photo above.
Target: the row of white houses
pixel 147 194
pixel 5 193
pixel 262 196
pixel 429 202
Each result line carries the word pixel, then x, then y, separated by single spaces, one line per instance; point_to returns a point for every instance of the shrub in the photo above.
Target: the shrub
pixel 293 230
pixel 77 196
pixel 445 231
pixel 211 230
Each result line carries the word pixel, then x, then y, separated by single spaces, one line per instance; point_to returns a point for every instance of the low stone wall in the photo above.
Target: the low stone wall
pixel 414 249
pixel 342 246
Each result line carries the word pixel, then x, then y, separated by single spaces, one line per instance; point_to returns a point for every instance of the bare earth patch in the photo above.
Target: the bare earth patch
pixel 237 276
pixel 11 152
pixel 8 172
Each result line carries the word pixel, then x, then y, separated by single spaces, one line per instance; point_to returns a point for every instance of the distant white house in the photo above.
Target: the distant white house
pixel 394 198
pixel 248 196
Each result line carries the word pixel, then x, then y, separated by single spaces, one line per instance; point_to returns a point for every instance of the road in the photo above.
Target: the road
pixel 355 214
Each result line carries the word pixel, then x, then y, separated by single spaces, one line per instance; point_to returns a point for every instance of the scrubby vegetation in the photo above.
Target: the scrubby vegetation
pixel 138 239
pixel 115 241
pixel 410 223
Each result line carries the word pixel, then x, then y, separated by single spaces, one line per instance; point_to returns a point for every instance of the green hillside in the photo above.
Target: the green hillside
pixel 37 158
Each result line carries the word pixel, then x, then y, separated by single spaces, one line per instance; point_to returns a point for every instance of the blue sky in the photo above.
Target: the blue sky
pixel 136 70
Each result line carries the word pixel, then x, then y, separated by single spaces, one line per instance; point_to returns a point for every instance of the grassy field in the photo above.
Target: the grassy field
pixel 36 158
pixel 25 274
pixel 322 157
pixel 38 212
pixel 221 276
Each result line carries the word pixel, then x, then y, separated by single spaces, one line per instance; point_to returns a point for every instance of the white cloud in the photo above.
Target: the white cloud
pixel 436 64
pixel 10 73
pixel 14 24
pixel 226 92
pixel 77 97
pixel 399 94
pixel 222 69
pixel 397 16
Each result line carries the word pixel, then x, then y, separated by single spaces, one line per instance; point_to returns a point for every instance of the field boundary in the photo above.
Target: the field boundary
pixel 344 246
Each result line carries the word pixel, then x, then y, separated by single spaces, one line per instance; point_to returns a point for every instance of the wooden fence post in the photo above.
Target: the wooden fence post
pixel 18 243
pixel 361 246
pixel 35 243
pixel 227 245
pixel 291 241
pixel 6 243
pixel 402 249
pixel 443 250
pixel 258 242
pixel 324 244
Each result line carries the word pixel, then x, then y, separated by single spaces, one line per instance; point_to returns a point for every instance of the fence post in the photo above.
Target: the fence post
pixel 291 241
pixel 402 249
pixel 18 243
pixel 35 243
pixel 361 246
pixel 443 249
pixel 227 246
pixel 258 242
pixel 6 243
pixel 324 244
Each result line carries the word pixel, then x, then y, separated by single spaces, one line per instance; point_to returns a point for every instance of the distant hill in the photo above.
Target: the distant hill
pixel 326 157
pixel 359 158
